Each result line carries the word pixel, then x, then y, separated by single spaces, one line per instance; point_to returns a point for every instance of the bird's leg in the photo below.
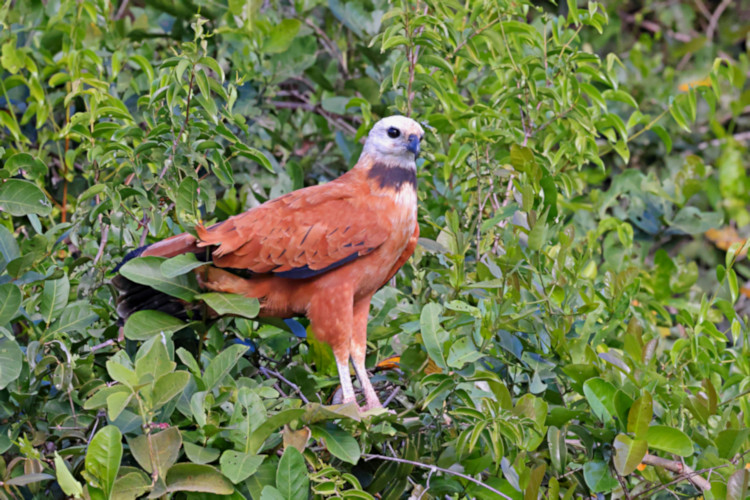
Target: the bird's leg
pixel 358 349
pixel 330 315
pixel 345 377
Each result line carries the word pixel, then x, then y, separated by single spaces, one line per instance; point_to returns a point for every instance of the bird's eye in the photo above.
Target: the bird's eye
pixel 393 132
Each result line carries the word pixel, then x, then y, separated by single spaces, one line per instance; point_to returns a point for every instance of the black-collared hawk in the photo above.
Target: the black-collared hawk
pixel 321 251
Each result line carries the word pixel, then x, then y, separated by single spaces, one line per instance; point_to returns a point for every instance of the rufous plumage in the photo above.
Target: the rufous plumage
pixel 321 251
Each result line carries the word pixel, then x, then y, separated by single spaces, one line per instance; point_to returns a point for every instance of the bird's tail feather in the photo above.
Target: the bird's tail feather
pixel 133 297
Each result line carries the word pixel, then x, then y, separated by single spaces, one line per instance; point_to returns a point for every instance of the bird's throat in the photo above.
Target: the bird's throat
pixel 393 177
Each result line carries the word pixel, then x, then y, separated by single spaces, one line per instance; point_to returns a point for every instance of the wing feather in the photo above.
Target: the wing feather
pixel 301 234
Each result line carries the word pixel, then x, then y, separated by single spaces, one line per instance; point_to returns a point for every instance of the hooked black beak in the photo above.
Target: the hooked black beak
pixel 413 145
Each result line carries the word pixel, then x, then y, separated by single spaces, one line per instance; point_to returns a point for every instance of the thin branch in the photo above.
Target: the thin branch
pixel 714 21
pixel 683 470
pixel 105 235
pixel 468 38
pixel 176 138
pixel 368 456
pixel 268 372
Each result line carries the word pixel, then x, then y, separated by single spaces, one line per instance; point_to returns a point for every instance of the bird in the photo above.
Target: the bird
pixel 320 252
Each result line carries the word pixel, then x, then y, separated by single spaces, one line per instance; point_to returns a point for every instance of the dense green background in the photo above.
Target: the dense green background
pixel 572 324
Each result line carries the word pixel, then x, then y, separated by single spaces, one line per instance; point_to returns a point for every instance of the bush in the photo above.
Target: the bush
pixel 564 328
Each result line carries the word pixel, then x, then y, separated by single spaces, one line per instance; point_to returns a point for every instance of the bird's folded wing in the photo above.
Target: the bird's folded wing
pixel 299 235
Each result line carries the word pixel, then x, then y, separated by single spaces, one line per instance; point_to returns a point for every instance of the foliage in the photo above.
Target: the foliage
pixel 564 329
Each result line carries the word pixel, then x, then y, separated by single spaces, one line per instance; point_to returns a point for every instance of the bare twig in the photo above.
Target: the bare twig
pixel 683 470
pixel 435 468
pixel 105 235
pixel 472 35
pixel 740 137
pixel 268 372
pixel 714 21
pixel 121 10
pixel 391 396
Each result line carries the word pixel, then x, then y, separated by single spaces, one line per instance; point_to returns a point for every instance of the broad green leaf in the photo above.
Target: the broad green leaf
pixel 74 318
pixel 200 455
pixel 600 394
pixel 11 361
pixel 729 442
pixel 339 442
pixel 103 458
pixel 180 264
pixel 222 364
pixel 142 325
pixel 281 36
pixel 131 485
pixel 168 386
pixel 186 205
pixel 54 298
pixel 239 466
pixel 640 415
pixel 164 445
pixel 10 301
pixel 65 479
pixel 669 439
pixel 291 476
pixel 598 477
pixel 19 197
pixel 628 453
pixel 433 334
pixel 198 478
pixel 8 246
pixel 557 448
pixel 259 435
pixel 231 303
pixel 146 271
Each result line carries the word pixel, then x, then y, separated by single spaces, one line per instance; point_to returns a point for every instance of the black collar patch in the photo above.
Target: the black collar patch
pixel 393 177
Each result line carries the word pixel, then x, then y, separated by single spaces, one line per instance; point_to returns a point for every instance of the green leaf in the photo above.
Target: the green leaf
pixel 8 245
pixel 239 466
pixel 19 197
pixel 103 458
pixel 75 318
pixel 597 476
pixel 259 435
pixel 180 264
pixel 222 364
pixel 729 442
pixel 131 485
pixel 10 302
pixel 291 476
pixel 601 395
pixel 65 479
pixel 669 439
pixel 168 386
pixel 253 154
pixel 54 298
pixel 11 361
pixel 146 271
pixel 281 36
pixel 339 442
pixel 164 445
pixel 628 453
pixel 433 334
pixel 231 303
pixel 26 162
pixel 640 415
pixel 186 205
pixel 198 478
pixel 200 455
pixel 142 325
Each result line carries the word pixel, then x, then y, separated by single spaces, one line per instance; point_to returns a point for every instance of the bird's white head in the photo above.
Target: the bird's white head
pixel 395 140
